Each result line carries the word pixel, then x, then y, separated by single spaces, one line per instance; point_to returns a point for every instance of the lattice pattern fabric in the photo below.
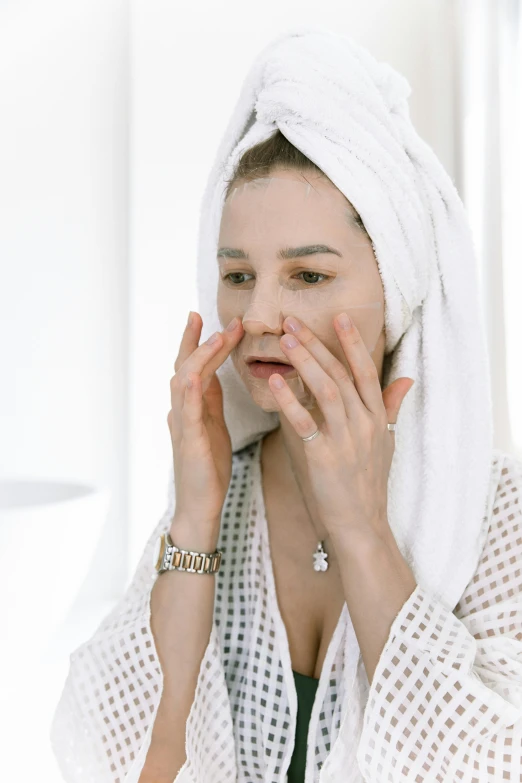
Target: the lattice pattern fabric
pixel 444 705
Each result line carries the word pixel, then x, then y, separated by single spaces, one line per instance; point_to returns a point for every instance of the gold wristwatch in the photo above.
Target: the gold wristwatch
pixel 169 557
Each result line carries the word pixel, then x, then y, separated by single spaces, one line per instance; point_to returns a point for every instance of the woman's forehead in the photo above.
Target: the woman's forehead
pixel 287 192
pixel 272 217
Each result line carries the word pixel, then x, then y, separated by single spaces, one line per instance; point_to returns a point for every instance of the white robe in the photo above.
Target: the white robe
pixel 445 702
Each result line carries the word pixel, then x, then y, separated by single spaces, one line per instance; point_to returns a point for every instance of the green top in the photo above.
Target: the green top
pixel 306 688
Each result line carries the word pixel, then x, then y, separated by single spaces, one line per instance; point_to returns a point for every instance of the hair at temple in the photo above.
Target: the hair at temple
pixel 277 152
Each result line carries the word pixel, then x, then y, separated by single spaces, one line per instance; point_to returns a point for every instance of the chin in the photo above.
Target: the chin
pixel 260 392
pixel 265 399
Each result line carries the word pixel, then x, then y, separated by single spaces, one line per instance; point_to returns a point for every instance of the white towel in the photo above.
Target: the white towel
pixel 349 114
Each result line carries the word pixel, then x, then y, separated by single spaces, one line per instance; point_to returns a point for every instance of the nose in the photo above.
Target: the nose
pixel 263 312
pixel 263 317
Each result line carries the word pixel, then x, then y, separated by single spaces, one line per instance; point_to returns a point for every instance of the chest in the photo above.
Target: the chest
pixel 310 602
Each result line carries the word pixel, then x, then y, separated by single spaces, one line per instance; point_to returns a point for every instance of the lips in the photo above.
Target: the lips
pixel 263 369
pixel 269 359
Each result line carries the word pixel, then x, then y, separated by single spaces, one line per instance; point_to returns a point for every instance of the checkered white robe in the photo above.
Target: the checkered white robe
pixel 445 703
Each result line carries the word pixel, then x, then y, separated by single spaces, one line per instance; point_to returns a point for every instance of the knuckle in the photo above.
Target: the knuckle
pixel 218 339
pixel 307 338
pixel 302 424
pixel 354 338
pixel 369 373
pixel 307 358
pixel 330 392
pixel 339 373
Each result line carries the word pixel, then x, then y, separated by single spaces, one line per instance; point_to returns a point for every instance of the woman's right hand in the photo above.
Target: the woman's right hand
pixel 201 445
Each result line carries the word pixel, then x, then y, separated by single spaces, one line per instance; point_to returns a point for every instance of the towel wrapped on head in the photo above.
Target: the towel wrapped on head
pixel 349 115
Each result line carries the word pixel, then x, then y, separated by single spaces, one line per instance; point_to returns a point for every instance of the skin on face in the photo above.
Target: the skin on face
pixel 261 221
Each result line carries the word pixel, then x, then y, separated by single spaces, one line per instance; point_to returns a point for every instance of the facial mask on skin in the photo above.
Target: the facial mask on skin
pixel 265 292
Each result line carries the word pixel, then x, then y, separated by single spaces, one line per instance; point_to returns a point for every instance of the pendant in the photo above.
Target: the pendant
pixel 320 561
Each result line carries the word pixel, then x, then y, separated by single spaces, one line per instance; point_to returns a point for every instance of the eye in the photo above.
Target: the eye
pixel 230 275
pixel 308 272
pixel 314 274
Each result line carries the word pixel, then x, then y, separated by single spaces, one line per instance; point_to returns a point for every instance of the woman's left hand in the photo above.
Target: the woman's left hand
pixel 349 462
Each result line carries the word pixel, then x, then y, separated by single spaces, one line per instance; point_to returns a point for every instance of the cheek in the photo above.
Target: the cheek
pixel 328 336
pixel 326 333
pixel 225 309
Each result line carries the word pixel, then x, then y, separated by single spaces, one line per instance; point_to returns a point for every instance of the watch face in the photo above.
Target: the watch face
pixel 158 553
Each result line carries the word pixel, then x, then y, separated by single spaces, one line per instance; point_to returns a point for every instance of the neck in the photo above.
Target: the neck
pixel 288 451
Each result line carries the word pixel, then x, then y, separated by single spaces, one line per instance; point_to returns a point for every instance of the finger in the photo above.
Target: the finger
pixel 195 363
pixel 193 429
pixel 299 418
pixel 330 364
pixel 323 387
pixel 207 357
pixel 228 340
pixel 183 365
pixel 365 374
pixel 189 340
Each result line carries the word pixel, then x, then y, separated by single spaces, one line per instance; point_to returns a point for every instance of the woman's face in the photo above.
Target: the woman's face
pixel 262 282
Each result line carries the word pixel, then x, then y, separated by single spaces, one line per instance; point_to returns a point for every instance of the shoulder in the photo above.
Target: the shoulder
pixel 507 478
pixel 499 576
pixel 505 521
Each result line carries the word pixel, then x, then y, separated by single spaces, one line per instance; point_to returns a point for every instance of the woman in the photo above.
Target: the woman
pixel 366 621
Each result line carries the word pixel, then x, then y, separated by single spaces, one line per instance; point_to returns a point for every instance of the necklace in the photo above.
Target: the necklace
pixel 320 557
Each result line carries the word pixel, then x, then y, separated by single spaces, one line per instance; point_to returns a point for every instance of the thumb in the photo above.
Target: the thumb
pixel 393 396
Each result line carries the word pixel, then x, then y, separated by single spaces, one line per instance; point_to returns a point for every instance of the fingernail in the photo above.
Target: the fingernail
pixel 289 341
pixel 190 318
pixel 211 340
pixel 344 321
pixel 232 325
pixel 293 324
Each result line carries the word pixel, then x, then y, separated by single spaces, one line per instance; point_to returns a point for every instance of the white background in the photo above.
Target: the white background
pixel 110 117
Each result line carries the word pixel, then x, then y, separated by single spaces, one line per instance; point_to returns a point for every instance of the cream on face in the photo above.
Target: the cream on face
pixel 290 248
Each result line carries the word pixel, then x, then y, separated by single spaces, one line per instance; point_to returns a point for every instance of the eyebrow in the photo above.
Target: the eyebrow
pixel 284 254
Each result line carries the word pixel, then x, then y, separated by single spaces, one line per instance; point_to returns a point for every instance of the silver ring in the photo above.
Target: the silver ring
pixel 391 428
pixel 311 437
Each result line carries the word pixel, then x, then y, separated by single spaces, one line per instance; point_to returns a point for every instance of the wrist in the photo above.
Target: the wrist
pixel 194 536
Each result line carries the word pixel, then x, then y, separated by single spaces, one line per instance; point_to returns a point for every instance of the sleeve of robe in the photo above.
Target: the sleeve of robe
pixel 102 725
pixel 445 702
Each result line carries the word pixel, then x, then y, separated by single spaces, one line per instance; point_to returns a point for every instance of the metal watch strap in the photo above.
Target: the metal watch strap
pixel 173 558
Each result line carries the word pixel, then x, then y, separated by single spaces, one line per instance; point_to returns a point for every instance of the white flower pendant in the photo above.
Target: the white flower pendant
pixel 320 558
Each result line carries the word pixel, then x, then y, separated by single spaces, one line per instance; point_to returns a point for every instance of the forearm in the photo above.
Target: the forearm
pixel 377 582
pixel 181 622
